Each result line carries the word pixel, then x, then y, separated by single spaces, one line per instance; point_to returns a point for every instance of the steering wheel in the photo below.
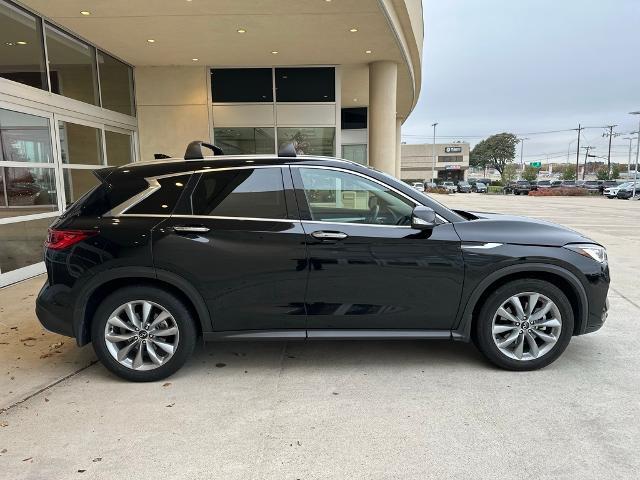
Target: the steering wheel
pixel 374 211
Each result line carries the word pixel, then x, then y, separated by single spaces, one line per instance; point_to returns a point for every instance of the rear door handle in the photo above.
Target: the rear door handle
pixel 191 229
pixel 322 235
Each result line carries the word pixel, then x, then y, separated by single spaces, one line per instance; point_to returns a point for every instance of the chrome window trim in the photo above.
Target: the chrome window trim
pixel 321 222
pixel 137 198
pixel 250 219
pixel 379 182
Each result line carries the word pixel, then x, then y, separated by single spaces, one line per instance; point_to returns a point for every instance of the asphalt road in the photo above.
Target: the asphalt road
pixel 338 409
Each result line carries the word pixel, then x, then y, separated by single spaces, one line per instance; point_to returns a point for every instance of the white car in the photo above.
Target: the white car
pixel 450 187
pixel 612 192
pixel 419 186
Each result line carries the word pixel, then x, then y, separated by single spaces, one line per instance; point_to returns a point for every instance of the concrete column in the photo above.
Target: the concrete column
pixel 398 147
pixel 383 80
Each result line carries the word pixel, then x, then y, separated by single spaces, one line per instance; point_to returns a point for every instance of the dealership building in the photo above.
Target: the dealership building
pixel 451 162
pixel 88 84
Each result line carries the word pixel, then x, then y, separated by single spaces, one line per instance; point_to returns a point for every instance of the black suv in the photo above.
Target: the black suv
pixel 293 248
pixel 520 187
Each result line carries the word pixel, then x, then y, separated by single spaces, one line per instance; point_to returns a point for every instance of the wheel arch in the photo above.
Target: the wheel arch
pixel 101 285
pixel 559 276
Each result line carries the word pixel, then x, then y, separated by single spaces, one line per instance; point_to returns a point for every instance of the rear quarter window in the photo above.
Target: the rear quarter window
pixel 163 200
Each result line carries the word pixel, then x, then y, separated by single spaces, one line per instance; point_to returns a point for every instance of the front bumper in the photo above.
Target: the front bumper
pixel 596 319
pixel 53 316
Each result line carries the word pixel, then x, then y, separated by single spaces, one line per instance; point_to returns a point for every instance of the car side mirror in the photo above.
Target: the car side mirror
pixel 423 218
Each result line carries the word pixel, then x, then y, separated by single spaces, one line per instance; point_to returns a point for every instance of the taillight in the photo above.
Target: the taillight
pixel 61 239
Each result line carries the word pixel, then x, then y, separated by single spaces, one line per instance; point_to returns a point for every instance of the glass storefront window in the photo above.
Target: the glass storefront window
pixel 116 84
pixel 309 140
pixel 80 144
pixel 72 66
pixel 241 85
pixel 77 182
pixel 119 148
pixel 24 138
pixel 313 84
pixel 355 153
pixel 22 57
pixel 25 191
pixel 245 140
pixel 22 243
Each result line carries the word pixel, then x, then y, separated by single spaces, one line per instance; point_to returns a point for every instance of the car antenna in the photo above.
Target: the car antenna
pixel 287 150
pixel 194 150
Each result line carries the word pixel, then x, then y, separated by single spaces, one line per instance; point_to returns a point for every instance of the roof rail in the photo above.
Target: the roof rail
pixel 160 156
pixel 194 150
pixel 287 150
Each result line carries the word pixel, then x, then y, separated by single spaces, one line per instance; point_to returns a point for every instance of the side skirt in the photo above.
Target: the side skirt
pixel 338 334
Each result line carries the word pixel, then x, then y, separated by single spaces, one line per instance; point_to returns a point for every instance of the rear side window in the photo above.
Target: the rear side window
pixel 163 200
pixel 254 193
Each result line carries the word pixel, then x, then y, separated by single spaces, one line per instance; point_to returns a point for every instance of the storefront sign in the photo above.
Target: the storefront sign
pixel 452 167
pixel 452 149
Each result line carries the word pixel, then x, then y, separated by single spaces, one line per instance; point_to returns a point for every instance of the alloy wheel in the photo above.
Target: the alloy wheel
pixel 526 326
pixel 141 335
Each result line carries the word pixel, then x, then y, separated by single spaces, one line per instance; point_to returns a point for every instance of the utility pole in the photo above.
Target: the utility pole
pixel 433 153
pixel 586 156
pixel 521 150
pixel 635 173
pixel 610 135
pixel 631 139
pixel 578 152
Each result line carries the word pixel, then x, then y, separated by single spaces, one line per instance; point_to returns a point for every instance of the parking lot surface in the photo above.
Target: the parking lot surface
pixel 338 410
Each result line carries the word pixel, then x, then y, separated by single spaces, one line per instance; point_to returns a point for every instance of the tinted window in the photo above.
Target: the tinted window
pixel 309 140
pixel 354 118
pixel 241 85
pixel 305 84
pixel 164 200
pixel 72 66
pixel 245 140
pixel 257 193
pixel 335 196
pixel 116 84
pixel 118 145
pixel 22 58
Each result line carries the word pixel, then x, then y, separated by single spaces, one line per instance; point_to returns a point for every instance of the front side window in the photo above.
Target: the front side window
pixel 336 196
pixel 254 193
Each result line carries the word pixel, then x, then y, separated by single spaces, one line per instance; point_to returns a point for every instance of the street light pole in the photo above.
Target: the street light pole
pixel 521 150
pixel 610 135
pixel 433 154
pixel 635 173
pixel 578 152
pixel 586 157
pixel 631 139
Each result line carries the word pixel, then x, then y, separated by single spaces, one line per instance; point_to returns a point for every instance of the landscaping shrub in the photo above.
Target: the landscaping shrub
pixel 559 192
pixel 494 190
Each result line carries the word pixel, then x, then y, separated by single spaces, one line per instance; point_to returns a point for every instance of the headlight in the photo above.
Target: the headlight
pixel 598 253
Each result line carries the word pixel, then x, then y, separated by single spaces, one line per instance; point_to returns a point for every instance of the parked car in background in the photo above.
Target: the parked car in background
pixel 608 184
pixel 612 192
pixel 568 184
pixel 479 187
pixel 419 186
pixel 626 192
pixel 556 183
pixel 593 185
pixel 520 187
pixel 542 184
pixel 450 187
pixel 464 187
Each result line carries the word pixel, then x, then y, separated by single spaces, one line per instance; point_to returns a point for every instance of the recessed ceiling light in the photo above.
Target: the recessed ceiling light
pixel 195 59
pixel 151 40
pixel 353 30
pixel 85 13
pixel 355 99
pixel 242 30
pixel 9 44
pixel 275 52
pixel 367 51
pixel 21 42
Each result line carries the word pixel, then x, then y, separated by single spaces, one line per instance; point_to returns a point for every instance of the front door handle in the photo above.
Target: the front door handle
pixel 191 229
pixel 322 235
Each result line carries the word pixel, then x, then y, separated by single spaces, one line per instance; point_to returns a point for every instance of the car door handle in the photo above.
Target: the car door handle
pixel 322 235
pixel 190 229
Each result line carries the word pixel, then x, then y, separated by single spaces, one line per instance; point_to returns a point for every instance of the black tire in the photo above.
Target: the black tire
pixel 166 300
pixel 483 324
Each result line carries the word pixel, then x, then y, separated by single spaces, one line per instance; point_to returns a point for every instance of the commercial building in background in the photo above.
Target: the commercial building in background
pixel 84 85
pixel 452 161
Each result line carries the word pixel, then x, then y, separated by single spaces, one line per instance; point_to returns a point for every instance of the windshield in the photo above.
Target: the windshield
pixel 480 184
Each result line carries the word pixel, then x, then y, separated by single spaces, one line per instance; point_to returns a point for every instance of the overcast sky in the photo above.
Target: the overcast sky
pixel 526 66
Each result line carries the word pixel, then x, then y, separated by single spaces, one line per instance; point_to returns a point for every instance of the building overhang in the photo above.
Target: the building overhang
pixel 247 32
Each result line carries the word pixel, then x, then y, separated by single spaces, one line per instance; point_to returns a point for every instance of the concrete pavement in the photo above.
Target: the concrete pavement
pixel 339 410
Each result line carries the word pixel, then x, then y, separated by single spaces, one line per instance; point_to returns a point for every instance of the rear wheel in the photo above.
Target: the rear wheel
pixel 524 325
pixel 143 333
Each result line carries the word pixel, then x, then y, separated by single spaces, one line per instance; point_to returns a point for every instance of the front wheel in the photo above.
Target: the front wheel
pixel 143 333
pixel 524 325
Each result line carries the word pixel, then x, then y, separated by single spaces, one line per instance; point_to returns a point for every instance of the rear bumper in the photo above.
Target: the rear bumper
pixel 52 315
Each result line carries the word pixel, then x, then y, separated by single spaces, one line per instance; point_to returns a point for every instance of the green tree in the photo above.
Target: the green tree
pixel 602 173
pixel 530 173
pixel 497 151
pixel 569 172
pixel 509 173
